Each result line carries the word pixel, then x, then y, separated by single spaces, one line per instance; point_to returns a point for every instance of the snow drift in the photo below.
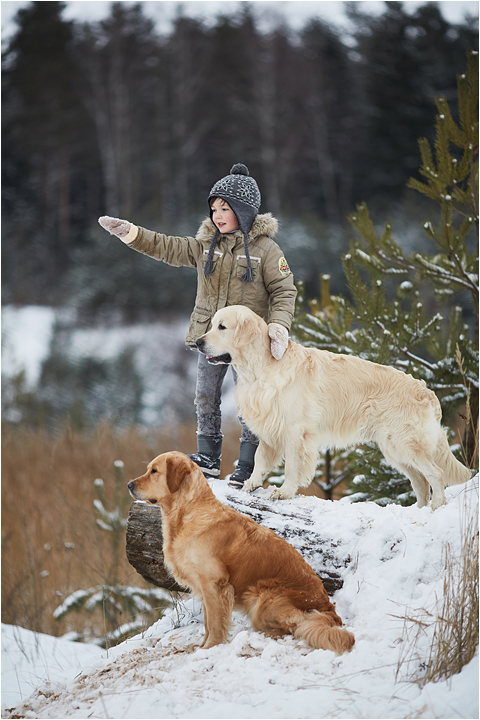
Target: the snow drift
pixel 394 570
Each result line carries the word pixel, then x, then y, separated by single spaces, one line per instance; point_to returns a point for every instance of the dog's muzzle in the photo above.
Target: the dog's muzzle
pixel 224 359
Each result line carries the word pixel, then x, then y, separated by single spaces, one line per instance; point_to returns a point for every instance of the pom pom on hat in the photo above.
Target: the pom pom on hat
pixel 239 169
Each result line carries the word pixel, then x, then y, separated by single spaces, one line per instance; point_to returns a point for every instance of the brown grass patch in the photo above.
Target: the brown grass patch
pixel 51 543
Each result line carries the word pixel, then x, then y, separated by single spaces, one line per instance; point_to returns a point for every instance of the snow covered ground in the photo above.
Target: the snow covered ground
pixel 26 335
pixel 395 568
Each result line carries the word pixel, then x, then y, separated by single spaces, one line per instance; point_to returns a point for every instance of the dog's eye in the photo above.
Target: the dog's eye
pixel 153 470
pixel 222 327
pixel 151 500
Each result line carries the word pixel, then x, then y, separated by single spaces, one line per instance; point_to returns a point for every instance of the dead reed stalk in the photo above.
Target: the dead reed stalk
pixel 453 624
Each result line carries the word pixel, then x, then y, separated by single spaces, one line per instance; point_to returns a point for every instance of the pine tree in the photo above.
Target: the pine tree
pixel 414 311
pixel 405 59
pixel 43 128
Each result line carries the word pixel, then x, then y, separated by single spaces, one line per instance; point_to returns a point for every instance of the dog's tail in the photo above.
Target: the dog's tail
pixel 453 471
pixel 320 631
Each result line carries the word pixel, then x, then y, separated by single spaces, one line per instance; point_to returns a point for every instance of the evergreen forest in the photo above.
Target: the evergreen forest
pixel 113 117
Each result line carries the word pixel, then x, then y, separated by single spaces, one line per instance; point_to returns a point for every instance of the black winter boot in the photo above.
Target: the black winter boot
pixel 244 465
pixel 209 455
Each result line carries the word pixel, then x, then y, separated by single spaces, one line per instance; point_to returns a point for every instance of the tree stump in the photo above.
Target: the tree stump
pixel 295 525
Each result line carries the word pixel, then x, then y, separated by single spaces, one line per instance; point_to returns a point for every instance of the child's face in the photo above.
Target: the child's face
pixel 223 216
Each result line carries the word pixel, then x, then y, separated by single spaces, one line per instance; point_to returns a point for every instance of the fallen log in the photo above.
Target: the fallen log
pixel 145 546
pixel 294 524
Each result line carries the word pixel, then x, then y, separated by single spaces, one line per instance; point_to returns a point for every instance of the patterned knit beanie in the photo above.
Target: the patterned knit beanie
pixel 241 192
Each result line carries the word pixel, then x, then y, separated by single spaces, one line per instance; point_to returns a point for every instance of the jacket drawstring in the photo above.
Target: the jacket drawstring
pixel 208 269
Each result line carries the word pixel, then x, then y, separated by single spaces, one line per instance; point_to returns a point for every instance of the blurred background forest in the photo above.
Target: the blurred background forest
pixel 116 117
pixel 113 118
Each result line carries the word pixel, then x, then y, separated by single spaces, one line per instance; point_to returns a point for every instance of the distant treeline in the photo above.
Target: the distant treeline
pixel 114 118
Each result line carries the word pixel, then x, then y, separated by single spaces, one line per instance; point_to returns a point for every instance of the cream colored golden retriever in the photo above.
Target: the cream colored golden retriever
pixel 311 400
pixel 228 561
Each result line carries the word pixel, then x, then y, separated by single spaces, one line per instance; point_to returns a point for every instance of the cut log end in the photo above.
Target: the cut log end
pixel 145 546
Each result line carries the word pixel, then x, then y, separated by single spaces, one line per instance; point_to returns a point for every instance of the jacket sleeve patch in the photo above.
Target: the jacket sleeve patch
pixel 283 267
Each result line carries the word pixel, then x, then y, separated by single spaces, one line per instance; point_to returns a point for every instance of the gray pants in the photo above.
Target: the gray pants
pixel 208 399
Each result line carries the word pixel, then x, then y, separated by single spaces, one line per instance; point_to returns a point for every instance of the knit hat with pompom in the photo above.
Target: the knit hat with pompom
pixel 241 192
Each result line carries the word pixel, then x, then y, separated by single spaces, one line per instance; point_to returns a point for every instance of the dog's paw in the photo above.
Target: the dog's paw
pixel 250 486
pixel 280 494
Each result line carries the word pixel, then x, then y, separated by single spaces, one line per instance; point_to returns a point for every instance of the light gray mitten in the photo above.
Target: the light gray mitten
pixel 278 340
pixel 115 226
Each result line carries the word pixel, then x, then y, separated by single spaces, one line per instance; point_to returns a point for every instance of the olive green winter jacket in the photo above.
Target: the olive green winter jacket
pixel 272 292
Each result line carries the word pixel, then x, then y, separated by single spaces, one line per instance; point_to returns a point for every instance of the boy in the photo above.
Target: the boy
pixel 238 263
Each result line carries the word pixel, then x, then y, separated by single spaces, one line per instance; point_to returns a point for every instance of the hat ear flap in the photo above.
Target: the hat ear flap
pixel 246 330
pixel 177 469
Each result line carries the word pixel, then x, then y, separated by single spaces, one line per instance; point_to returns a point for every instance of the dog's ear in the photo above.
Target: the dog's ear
pixel 177 469
pixel 246 330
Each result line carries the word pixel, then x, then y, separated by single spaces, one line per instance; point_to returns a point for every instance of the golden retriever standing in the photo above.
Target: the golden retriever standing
pixel 311 400
pixel 228 561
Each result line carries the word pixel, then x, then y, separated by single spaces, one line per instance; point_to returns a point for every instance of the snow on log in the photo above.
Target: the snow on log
pixel 295 524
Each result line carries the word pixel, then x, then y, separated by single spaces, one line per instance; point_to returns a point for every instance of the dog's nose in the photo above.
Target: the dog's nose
pixel 131 486
pixel 200 343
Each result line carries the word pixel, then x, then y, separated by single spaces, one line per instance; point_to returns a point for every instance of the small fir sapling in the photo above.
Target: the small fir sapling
pixel 414 311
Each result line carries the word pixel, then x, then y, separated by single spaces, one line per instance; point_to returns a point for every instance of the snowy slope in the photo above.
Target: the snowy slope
pixel 395 569
pixel 33 660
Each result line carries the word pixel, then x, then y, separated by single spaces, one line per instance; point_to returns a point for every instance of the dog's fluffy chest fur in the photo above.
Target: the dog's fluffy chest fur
pixel 185 532
pixel 261 402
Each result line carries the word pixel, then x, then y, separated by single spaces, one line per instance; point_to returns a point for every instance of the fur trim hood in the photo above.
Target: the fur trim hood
pixel 264 224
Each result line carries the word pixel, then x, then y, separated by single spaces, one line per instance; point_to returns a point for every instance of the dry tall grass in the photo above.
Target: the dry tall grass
pixel 456 629
pixel 453 624
pixel 51 544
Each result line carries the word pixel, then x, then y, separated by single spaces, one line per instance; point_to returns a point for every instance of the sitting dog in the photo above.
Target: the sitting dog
pixel 229 561
pixel 311 400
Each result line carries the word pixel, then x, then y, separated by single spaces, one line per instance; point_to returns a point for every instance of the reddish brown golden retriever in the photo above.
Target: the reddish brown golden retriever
pixel 229 561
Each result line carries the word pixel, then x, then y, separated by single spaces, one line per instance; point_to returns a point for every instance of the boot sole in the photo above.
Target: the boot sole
pixel 236 483
pixel 210 473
